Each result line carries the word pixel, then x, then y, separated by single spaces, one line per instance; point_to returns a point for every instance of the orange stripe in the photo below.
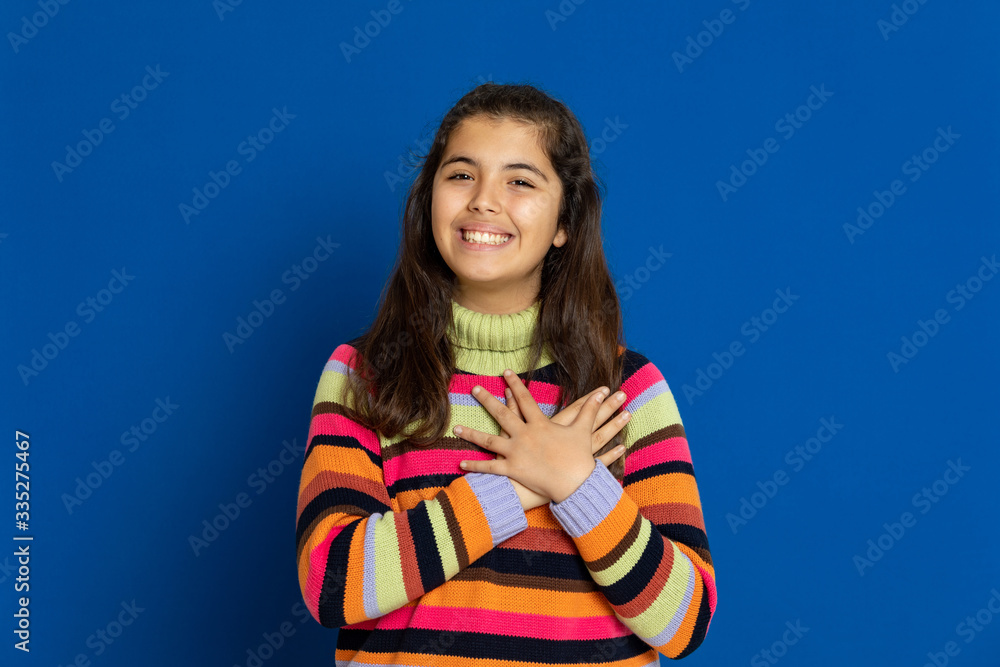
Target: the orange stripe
pixel 607 534
pixel 681 485
pixel 460 594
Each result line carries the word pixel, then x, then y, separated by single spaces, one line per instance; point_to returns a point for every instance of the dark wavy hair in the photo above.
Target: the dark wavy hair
pixel 405 363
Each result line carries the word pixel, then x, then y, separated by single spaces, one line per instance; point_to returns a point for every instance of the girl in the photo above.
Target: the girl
pixel 468 494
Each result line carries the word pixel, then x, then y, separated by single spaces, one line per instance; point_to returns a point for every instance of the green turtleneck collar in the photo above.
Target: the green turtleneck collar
pixel 486 344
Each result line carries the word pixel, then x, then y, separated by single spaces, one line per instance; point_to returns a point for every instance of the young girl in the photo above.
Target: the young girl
pixel 468 494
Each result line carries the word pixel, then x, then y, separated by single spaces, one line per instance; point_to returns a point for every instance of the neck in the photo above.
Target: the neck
pixel 504 300
pixel 487 343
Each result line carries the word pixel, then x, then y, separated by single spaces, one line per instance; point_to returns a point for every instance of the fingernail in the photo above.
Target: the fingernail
pixel 620 396
pixel 507 373
pixel 625 416
pixel 475 390
pixel 462 465
pixel 458 430
pixel 620 448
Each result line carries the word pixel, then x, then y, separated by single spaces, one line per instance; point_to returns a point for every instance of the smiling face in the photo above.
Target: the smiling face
pixel 495 181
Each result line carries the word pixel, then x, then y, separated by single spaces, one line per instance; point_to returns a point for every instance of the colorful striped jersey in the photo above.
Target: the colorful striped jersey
pixel 419 563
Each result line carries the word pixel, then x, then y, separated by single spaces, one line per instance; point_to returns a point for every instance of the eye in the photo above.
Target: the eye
pixel 521 180
pixel 455 176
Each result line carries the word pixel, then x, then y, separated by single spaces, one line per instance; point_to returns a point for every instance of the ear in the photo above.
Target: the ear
pixel 561 238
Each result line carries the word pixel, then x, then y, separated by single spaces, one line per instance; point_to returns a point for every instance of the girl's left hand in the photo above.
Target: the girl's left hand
pixel 552 460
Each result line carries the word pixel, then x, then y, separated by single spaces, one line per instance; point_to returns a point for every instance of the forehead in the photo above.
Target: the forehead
pixel 489 139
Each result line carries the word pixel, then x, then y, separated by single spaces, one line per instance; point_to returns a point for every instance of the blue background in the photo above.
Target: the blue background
pixel 678 131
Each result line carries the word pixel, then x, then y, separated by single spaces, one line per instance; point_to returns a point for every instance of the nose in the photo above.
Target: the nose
pixel 484 199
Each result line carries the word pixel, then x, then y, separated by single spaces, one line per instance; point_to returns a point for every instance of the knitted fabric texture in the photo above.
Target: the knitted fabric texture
pixel 419 563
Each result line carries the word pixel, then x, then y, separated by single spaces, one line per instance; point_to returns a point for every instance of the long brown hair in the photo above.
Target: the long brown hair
pixel 405 361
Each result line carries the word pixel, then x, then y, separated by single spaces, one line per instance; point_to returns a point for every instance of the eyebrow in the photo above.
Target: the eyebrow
pixel 508 167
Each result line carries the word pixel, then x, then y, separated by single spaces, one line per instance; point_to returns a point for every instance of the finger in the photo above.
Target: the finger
pixel 492 466
pixel 608 407
pixel 507 420
pixel 512 402
pixel 512 406
pixel 609 430
pixel 610 457
pixel 525 401
pixel 588 413
pixel 492 443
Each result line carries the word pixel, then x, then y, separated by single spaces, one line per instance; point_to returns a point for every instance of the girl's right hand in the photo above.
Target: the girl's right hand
pixel 602 434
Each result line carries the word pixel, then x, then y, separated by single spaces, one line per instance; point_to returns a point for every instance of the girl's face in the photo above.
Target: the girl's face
pixel 495 179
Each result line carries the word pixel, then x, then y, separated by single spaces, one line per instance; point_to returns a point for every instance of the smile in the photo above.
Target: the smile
pixel 484 239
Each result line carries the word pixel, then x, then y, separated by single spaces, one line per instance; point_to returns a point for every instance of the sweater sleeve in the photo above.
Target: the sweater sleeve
pixel 643 539
pixel 357 558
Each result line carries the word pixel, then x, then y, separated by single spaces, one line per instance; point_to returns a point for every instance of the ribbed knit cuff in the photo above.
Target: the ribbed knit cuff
pixel 500 503
pixel 590 504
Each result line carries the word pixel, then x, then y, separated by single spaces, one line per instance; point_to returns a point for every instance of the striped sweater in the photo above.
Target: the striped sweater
pixel 419 563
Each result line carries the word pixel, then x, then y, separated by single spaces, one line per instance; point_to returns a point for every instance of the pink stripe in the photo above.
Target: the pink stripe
pixel 317 570
pixel 641 380
pixel 709 582
pixel 542 392
pixel 333 424
pixel 464 619
pixel 343 353
pixel 429 462
pixel 671 449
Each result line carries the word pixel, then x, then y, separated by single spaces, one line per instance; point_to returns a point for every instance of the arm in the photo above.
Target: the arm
pixel 357 558
pixel 645 544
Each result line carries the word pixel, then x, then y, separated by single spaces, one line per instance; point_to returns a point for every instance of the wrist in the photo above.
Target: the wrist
pixel 573 481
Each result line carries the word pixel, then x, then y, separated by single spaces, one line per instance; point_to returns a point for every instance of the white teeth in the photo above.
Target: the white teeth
pixel 485 237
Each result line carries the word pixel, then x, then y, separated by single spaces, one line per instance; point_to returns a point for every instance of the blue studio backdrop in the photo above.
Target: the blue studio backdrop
pixel 201 200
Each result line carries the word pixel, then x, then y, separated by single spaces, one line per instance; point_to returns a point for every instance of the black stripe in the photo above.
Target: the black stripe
pixel 700 627
pixel 687 535
pixel 421 482
pixel 633 583
pixel 331 597
pixel 428 559
pixel 345 441
pixel 536 563
pixel 332 498
pixel 658 469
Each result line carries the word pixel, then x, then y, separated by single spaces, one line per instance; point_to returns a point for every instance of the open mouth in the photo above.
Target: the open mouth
pixel 485 238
